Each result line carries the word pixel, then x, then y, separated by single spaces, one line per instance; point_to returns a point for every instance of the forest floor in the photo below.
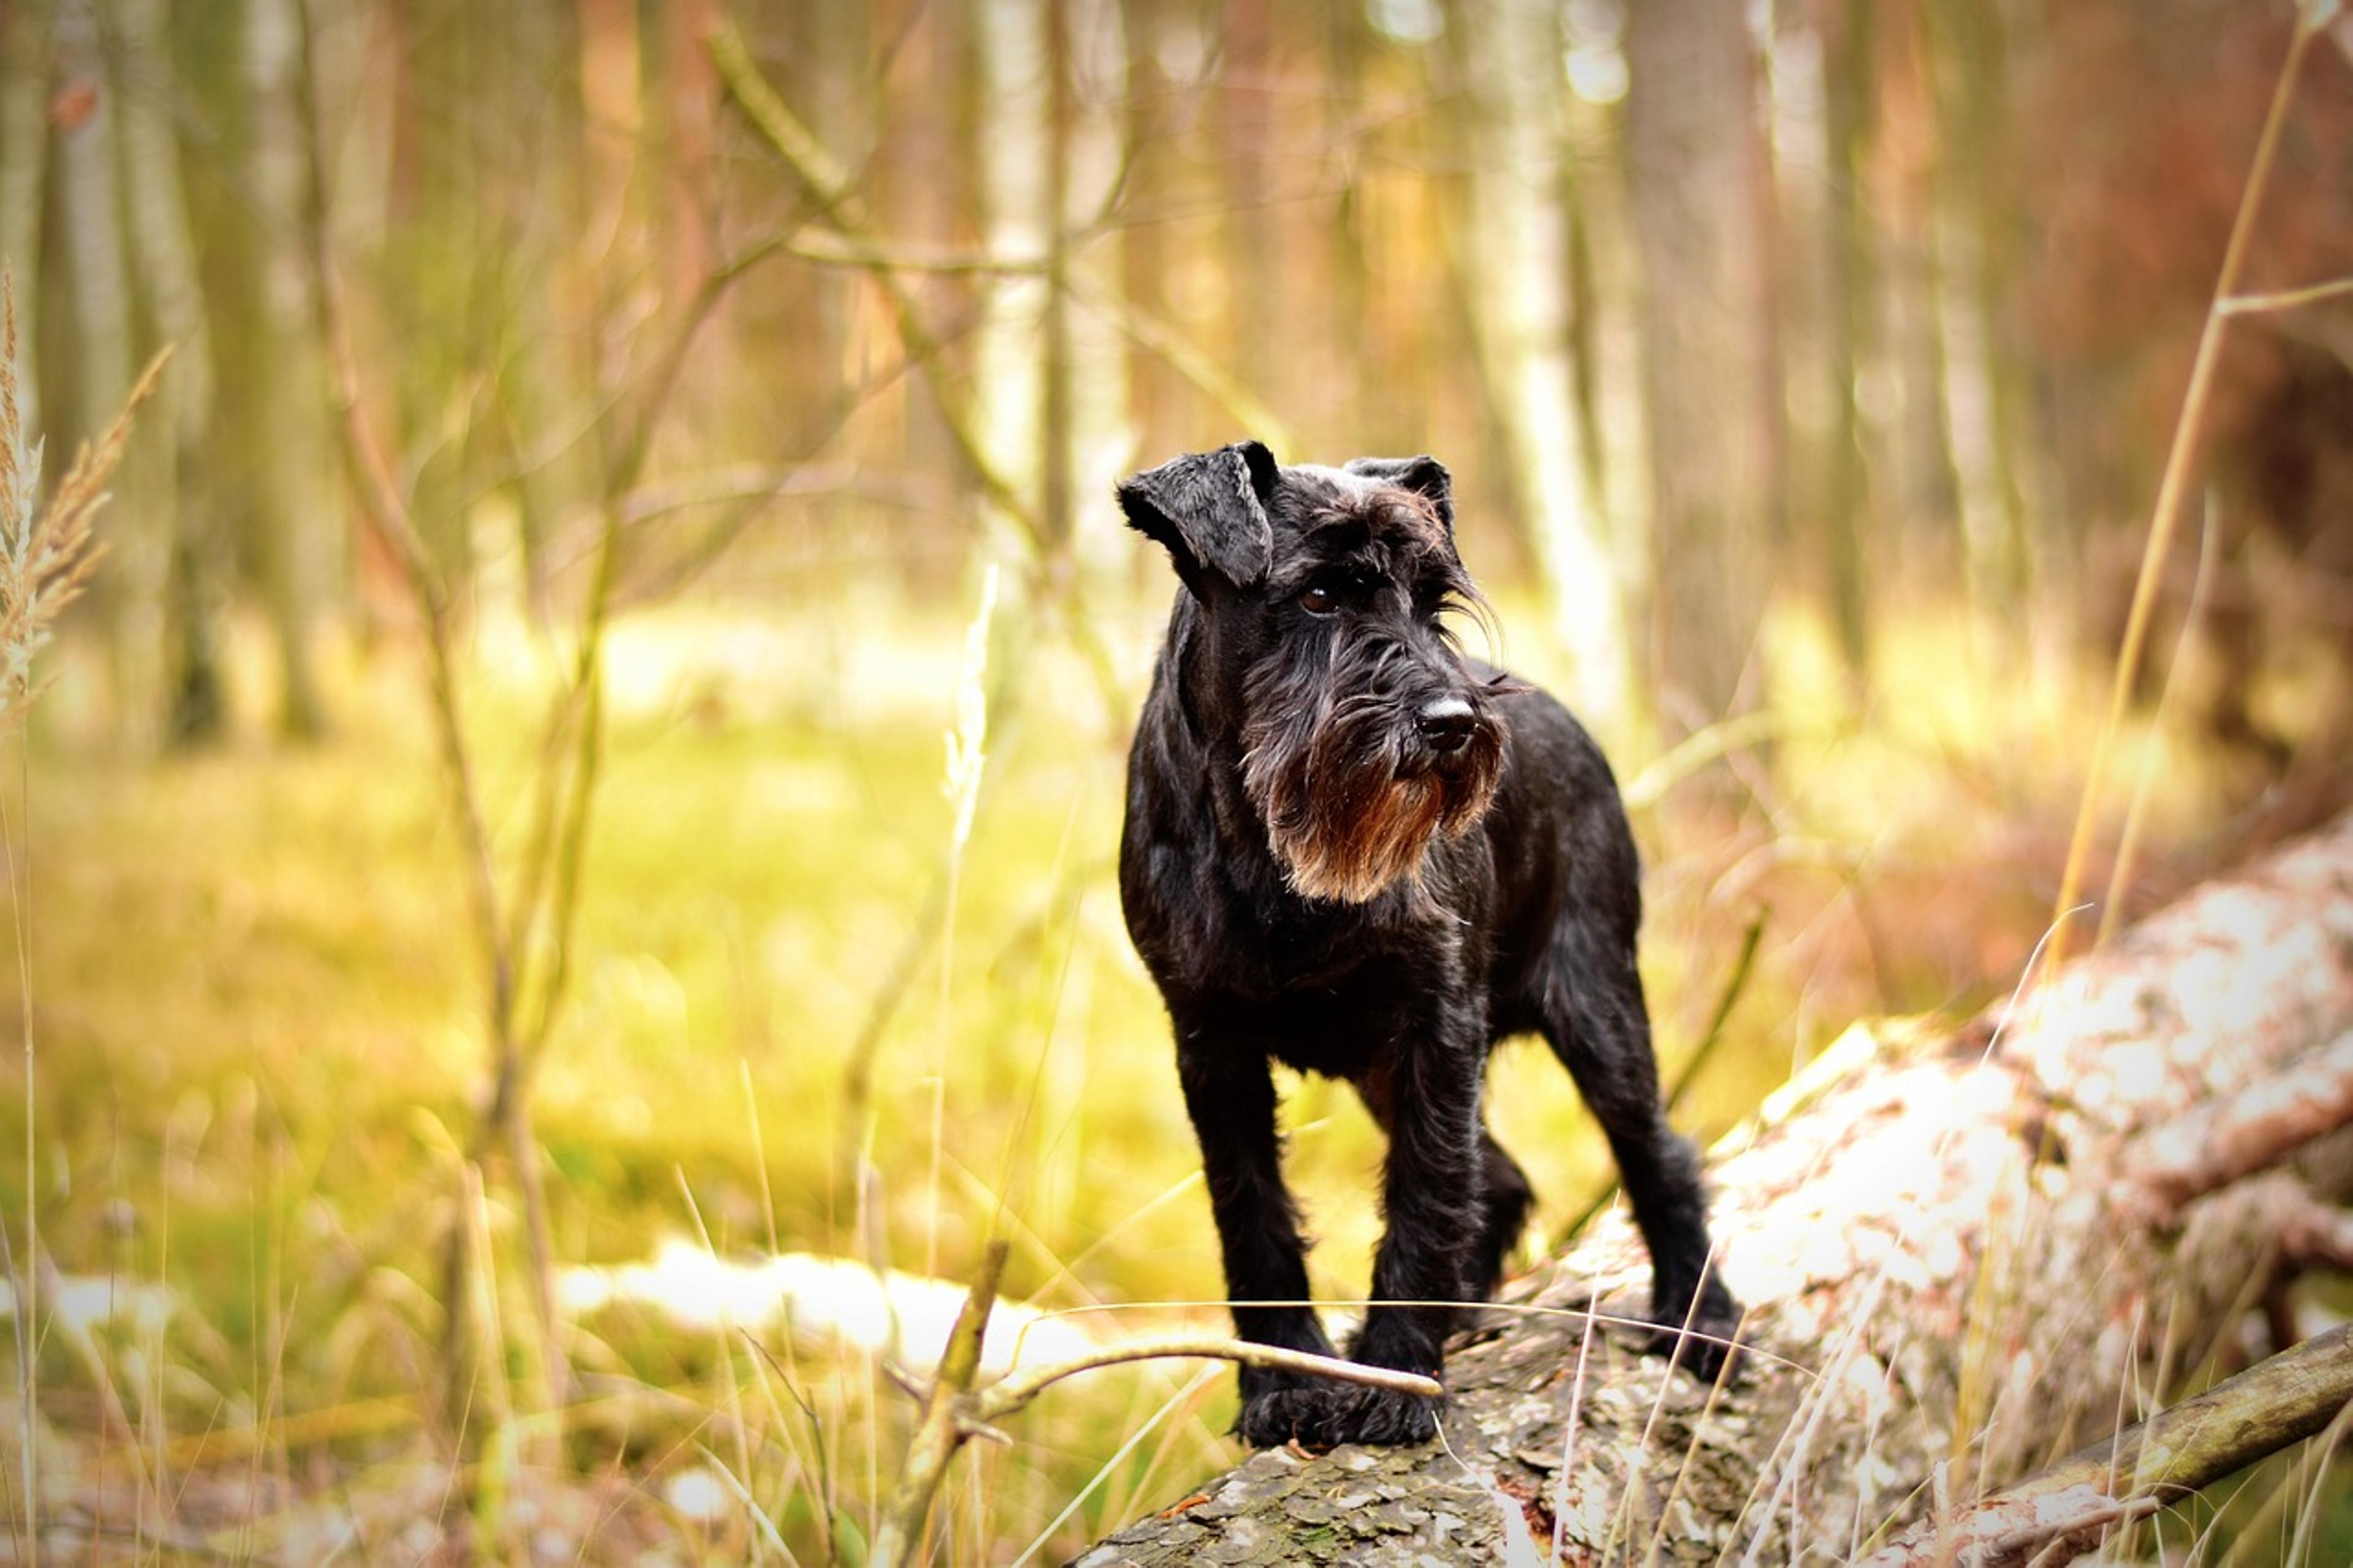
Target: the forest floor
pixel 259 1019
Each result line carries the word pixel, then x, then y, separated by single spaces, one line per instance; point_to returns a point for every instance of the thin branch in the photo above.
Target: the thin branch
pixel 1734 984
pixel 1180 354
pixel 1016 1390
pixel 954 1412
pixel 2249 1417
pixel 830 189
pixel 943 1429
pixel 384 508
pixel 2285 300
pixel 843 251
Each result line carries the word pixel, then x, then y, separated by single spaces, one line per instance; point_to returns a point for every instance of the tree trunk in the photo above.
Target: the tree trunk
pixel 162 243
pixel 1982 397
pixel 1848 115
pixel 1514 259
pixel 1692 144
pixel 85 116
pixel 1017 219
pixel 1903 199
pixel 1088 400
pixel 535 153
pixel 24 157
pixel 291 518
pixel 1963 1254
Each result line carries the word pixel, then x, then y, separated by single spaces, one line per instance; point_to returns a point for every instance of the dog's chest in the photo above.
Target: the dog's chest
pixel 1324 996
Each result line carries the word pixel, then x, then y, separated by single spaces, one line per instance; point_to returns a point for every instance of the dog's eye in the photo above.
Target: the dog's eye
pixel 1318 599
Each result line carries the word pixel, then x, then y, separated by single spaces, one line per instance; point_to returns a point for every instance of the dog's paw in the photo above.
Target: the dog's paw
pixel 1705 1339
pixel 1325 1414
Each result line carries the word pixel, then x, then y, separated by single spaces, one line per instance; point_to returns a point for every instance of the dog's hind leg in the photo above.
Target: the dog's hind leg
pixel 1504 1194
pixel 1507 1197
pixel 1596 1023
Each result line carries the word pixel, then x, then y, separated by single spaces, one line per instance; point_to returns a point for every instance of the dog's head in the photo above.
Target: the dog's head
pixel 1326 657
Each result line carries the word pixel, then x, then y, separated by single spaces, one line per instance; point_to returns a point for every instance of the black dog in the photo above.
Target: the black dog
pixel 1351 849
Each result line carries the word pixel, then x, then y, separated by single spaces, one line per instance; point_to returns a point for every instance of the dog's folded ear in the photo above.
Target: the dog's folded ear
pixel 1424 476
pixel 1209 510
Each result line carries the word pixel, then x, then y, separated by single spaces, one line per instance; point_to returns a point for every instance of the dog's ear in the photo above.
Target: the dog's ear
pixel 1424 476
pixel 1209 510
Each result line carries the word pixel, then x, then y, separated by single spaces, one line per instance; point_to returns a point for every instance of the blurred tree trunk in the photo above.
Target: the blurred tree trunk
pixel 1056 412
pixel 195 697
pixel 542 383
pixel 1848 113
pixel 1962 1253
pixel 1017 202
pixel 1692 144
pixel 291 518
pixel 674 148
pixel 24 159
pixel 1348 338
pixel 1515 257
pixel 1606 333
pixel 86 112
pixel 1983 398
pixel 442 241
pixel 1244 42
pixel 1089 395
pixel 933 143
pixel 1923 482
pixel 1146 266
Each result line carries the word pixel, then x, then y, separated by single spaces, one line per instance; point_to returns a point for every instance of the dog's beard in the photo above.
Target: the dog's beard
pixel 1350 806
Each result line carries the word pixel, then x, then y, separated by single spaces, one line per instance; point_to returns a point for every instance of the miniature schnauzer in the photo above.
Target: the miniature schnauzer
pixel 1353 850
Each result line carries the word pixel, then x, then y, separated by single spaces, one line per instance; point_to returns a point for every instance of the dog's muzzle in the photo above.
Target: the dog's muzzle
pixel 1446 725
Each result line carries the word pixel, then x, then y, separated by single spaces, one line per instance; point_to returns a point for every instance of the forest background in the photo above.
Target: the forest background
pixel 515 1028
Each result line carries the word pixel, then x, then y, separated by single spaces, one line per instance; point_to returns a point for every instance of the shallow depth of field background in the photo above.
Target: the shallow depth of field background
pixel 1806 371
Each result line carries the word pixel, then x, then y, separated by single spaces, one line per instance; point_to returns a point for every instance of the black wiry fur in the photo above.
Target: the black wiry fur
pixel 1351 849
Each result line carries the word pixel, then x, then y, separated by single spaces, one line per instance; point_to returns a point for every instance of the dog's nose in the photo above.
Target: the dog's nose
pixel 1446 725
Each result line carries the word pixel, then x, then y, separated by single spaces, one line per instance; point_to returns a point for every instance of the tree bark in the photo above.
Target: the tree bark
pixel 86 118
pixel 1963 1253
pixel 164 247
pixel 1694 144
pixel 1513 257
pixel 1848 116
pixel 24 160
pixel 1017 219
pixel 291 521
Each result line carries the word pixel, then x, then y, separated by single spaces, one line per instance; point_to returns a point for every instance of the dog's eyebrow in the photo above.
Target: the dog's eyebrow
pixel 1333 528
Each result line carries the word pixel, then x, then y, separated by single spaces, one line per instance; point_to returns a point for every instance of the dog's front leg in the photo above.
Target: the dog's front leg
pixel 1230 1094
pixel 1431 1194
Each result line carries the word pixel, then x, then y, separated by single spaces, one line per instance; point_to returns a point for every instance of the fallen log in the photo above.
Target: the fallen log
pixel 1966 1253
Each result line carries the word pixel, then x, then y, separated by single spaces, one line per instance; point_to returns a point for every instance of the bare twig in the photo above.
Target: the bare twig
pixel 1734 984
pixel 955 1412
pixel 842 251
pixel 1170 345
pixel 2285 298
pixel 835 197
pixel 1016 1390
pixel 830 188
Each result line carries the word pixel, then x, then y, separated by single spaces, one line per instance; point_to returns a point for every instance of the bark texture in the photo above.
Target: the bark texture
pixel 1963 1251
pixel 1695 176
